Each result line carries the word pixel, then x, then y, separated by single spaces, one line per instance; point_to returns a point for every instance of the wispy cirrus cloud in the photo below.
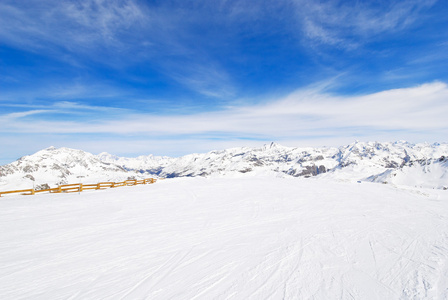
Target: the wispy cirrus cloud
pixel 303 113
pixel 183 73
pixel 42 112
pixel 206 79
pixel 58 92
pixel 202 46
pixel 307 117
pixel 347 24
pixel 120 34
pixel 72 25
pixel 17 115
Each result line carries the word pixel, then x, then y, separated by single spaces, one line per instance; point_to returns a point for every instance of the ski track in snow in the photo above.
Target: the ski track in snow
pixel 218 238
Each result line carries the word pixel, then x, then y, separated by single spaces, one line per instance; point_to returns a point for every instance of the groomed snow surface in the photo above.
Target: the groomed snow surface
pixel 227 238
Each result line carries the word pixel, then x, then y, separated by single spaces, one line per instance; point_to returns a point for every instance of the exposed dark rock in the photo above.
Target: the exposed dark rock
pixel 258 163
pixel 6 171
pixel 312 171
pixel 392 165
pixel 56 167
pixel 29 168
pixel 245 170
pixel 346 164
pixel 321 169
pixel 43 186
pixel 30 177
pixel 172 175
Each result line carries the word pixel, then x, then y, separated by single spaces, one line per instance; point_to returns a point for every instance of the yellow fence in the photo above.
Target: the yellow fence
pixel 79 187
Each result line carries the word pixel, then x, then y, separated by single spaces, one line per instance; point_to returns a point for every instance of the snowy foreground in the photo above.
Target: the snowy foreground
pixel 248 238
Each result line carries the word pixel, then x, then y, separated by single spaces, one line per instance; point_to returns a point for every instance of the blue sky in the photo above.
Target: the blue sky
pixel 176 77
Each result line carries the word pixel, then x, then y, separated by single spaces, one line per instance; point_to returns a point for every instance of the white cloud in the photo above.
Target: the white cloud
pixel 206 79
pixel 117 33
pixel 307 117
pixel 17 115
pixel 303 113
pixel 72 107
pixel 347 24
pixel 72 25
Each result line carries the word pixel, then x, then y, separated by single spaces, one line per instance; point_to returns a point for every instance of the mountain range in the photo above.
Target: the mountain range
pixel 400 163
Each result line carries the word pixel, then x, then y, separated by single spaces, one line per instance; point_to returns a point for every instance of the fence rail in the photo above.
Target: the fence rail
pixel 79 187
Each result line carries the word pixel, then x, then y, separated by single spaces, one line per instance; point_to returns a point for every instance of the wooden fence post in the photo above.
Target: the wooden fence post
pixel 70 188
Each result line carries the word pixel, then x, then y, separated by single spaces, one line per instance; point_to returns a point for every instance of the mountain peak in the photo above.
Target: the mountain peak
pixel 272 145
pixel 371 161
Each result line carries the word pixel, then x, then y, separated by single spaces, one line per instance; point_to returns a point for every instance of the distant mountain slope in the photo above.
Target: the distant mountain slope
pixel 397 163
pixel 373 161
pixel 368 161
pixel 430 173
pixel 144 163
pixel 53 166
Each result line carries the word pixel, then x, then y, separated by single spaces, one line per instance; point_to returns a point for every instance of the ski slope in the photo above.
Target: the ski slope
pixel 227 238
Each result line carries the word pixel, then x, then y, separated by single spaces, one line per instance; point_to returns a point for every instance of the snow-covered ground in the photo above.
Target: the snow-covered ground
pixel 227 238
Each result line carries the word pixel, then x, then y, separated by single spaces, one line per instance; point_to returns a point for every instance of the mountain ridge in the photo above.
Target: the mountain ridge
pixel 397 162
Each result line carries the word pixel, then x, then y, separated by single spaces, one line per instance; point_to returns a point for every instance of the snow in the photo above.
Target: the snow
pixel 431 175
pixel 55 166
pixel 422 165
pixel 227 238
pixel 143 162
pixel 365 161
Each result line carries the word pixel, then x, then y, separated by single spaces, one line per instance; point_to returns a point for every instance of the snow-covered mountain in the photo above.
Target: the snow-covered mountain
pixel 428 173
pixel 145 163
pixel 53 166
pixel 398 163
pixel 269 159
